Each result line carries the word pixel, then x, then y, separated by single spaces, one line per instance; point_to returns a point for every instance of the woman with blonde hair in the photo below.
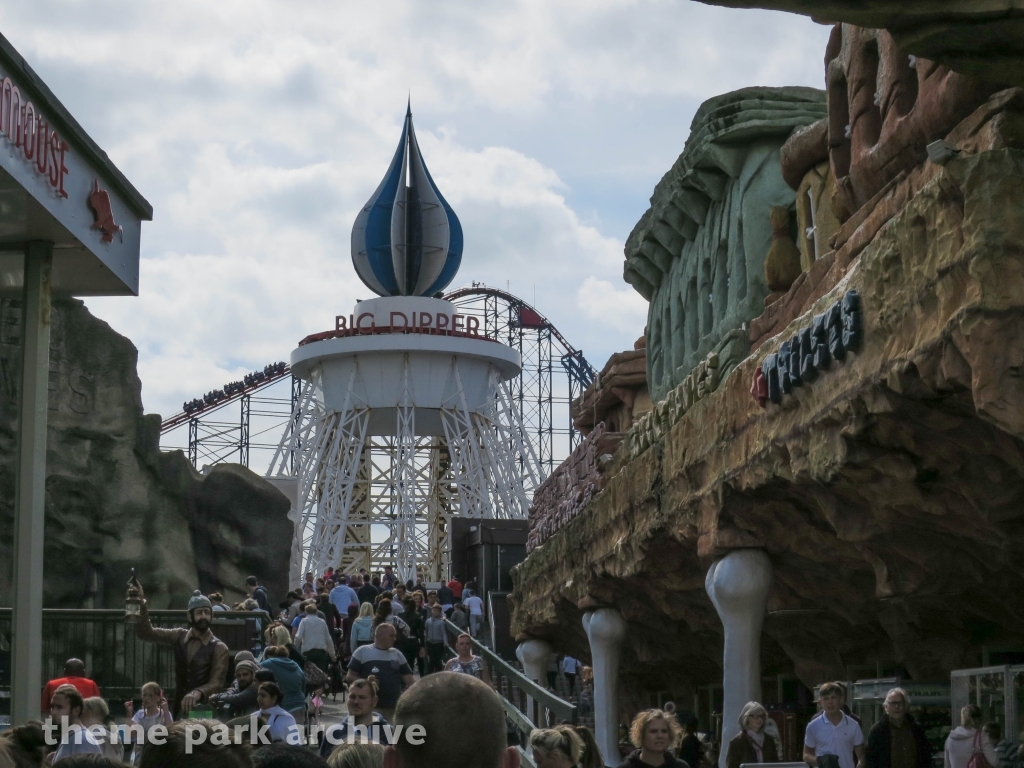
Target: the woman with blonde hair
pixel 653 732
pixel 752 744
pixel 279 635
pixel 357 755
pixel 95 713
pixel 558 747
pixel 968 739
pixel 362 627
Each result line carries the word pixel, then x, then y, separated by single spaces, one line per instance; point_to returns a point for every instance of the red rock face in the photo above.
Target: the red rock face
pixel 571 486
pixel 884 108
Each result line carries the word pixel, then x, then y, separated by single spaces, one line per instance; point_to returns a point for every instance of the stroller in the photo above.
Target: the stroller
pixel 335 681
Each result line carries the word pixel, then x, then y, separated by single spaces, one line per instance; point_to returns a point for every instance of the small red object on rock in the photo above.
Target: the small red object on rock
pixel 759 387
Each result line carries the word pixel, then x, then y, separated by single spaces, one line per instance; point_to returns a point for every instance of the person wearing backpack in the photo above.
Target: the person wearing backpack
pixel 362 627
pixel 897 740
pixel 967 746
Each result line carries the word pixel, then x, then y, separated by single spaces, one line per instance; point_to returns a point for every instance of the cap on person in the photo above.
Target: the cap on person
pixel 199 600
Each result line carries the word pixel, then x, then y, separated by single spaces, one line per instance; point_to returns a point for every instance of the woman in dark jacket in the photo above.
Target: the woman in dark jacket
pixel 346 632
pixel 410 646
pixel 691 750
pixel 331 615
pixel 654 732
pixel 752 744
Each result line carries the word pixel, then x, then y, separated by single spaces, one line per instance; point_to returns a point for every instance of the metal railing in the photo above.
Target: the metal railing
pixel 118 661
pixel 527 704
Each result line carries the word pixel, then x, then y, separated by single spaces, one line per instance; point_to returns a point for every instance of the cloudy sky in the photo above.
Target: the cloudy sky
pixel 257 129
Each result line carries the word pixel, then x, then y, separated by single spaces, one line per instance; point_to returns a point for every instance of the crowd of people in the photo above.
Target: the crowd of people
pixel 368 638
pixel 343 634
pixel 834 738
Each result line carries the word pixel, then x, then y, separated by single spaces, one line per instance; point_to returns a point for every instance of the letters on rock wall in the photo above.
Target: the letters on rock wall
pixel 833 333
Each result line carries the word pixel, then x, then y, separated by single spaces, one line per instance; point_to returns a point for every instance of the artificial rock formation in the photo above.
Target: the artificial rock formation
pixel 979 38
pixel 998 123
pixel 113 500
pixel 619 394
pixel 698 253
pixel 782 264
pixel 887 493
pixel 567 491
pixel 884 108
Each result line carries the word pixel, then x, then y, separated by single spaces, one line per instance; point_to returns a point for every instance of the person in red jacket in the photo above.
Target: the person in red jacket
pixel 455 585
pixel 74 674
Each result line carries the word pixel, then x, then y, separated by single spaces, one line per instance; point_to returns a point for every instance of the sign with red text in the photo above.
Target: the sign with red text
pixel 441 322
pixel 69 190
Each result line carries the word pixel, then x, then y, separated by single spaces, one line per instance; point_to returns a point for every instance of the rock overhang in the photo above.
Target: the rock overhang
pixel 892 481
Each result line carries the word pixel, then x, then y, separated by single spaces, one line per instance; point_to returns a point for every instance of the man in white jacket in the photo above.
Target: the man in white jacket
pixel 314 640
pixel 967 738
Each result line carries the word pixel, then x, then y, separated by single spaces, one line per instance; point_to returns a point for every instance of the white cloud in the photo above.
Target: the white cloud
pixel 613 307
pixel 258 128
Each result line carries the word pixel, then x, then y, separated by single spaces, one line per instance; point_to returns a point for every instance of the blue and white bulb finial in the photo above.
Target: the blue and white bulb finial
pixel 407 240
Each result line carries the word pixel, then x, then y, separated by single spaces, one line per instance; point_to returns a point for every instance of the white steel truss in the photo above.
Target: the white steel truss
pixel 366 501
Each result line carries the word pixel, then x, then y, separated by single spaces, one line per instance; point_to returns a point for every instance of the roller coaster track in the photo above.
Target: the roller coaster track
pixel 505 318
pixel 230 393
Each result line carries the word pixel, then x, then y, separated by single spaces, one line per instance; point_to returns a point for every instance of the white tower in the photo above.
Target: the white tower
pixel 404 420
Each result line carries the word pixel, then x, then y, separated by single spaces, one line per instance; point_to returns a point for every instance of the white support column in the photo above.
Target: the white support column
pixel 606 629
pixel 404 529
pixel 738 586
pixel 534 655
pixel 30 486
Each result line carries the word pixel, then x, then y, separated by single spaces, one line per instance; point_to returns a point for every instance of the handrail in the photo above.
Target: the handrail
pixel 516 715
pixel 559 706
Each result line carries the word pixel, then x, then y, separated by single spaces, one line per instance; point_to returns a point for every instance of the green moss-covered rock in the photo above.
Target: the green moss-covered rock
pixel 698 253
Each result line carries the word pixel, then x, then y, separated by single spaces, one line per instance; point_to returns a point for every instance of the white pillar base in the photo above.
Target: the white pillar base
pixel 738 586
pixel 606 629
pixel 534 655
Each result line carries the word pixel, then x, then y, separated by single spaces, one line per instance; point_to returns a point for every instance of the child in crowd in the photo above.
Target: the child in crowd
pixel 154 710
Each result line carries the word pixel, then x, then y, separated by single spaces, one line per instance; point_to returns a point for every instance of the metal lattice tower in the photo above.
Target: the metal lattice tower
pixel 278 403
pixel 399 426
pixel 373 492
pixel 538 393
pixel 216 432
